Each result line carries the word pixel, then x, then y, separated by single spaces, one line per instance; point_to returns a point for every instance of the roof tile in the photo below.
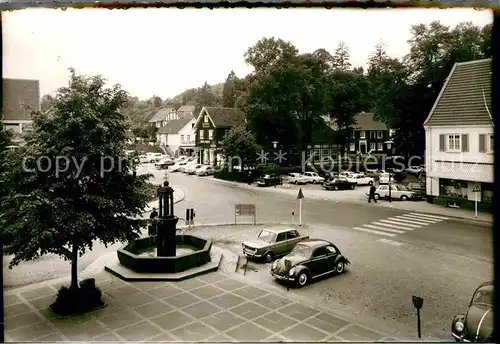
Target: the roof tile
pixel 161 114
pixel 365 121
pixel 19 92
pixel 226 117
pixel 173 127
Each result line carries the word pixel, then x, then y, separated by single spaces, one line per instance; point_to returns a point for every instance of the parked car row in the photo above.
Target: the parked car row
pixel 305 178
pixel 397 192
pixel 303 259
pixel 189 165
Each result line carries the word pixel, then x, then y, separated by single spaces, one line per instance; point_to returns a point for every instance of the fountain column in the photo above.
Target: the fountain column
pixel 167 222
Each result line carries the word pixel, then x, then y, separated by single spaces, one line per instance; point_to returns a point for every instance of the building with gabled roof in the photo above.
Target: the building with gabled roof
pixel 459 134
pixel 178 136
pixel 370 136
pixel 163 116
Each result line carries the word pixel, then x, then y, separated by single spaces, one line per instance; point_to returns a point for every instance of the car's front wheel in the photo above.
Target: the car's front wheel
pixel 314 181
pixel 370 183
pixel 302 279
pixel 376 196
pixel 269 257
pixel 339 268
pixel 404 198
pixel 336 187
pixel 353 186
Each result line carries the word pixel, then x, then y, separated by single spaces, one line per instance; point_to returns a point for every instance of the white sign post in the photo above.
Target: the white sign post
pixel 476 190
pixel 300 197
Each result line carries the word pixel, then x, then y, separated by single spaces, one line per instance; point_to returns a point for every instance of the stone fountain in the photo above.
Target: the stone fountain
pixel 166 255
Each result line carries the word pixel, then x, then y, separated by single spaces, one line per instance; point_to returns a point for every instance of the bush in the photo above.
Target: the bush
pixel 152 192
pixel 76 301
pixel 233 175
pixel 399 177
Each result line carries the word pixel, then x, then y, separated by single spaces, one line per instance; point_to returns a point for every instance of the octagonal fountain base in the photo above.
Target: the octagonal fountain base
pixel 138 261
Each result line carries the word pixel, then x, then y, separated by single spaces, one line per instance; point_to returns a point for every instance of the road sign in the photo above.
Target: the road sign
pixel 300 195
pixel 477 188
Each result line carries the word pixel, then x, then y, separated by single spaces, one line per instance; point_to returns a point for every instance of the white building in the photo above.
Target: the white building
pixel 163 116
pixel 178 136
pixel 459 138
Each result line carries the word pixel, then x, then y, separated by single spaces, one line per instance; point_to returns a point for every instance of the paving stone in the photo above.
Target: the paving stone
pixel 56 286
pixel 164 291
pixel 43 302
pixel 327 322
pixel 213 277
pixel 153 309
pixel 38 292
pixel 104 276
pixel 138 331
pixel 48 314
pixel 193 332
pixel 12 299
pixel 305 333
pixel 172 320
pixel 123 292
pixel 21 320
pixel 110 284
pixel 249 310
pixel 250 292
pixel 85 331
pixel 189 284
pixel 227 301
pixel 107 337
pixel 162 337
pixel 298 311
pixel 248 332
pixel 17 309
pixel 65 325
pixel 112 307
pixel 138 299
pixel 223 321
pixel 275 322
pixel 201 310
pixel 221 338
pixel 273 301
pixel 148 285
pixel 182 300
pixel 207 292
pixel 230 284
pixel 355 333
pixel 276 338
pixel 52 337
pixel 119 320
pixel 29 333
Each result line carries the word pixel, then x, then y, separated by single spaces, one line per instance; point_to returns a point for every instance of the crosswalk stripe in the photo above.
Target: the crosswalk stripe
pixel 393 226
pixel 431 216
pixel 419 218
pixel 373 231
pixel 417 222
pixel 384 229
pixel 397 222
pixel 390 242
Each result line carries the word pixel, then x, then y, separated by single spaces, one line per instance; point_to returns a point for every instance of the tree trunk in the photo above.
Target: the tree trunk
pixel 74 267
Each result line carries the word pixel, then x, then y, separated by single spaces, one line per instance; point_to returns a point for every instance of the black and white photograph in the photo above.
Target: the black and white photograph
pixel 247 175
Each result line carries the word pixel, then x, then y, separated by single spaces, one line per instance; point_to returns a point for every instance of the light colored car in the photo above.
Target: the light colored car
pixel 176 167
pixel 384 178
pixel 187 165
pixel 313 177
pixel 414 170
pixel 345 174
pixel 155 157
pixel 144 159
pixel 360 179
pixel 205 170
pixel 272 242
pixel 191 169
pixel 164 163
pixel 180 158
pixel 397 192
pixel 297 178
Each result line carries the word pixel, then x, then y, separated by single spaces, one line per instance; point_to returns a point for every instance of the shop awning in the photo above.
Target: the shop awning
pixel 473 172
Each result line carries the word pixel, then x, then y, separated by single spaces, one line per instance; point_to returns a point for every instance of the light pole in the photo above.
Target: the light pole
pixel 390 188
pixel 275 146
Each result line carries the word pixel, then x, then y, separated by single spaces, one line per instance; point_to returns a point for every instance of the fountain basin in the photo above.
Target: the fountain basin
pixel 194 252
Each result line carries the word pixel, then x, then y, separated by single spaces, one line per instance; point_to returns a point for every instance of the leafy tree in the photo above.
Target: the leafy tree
pixel 142 132
pixel 240 142
pixel 47 102
pixel 155 101
pixel 205 97
pixel 324 56
pixel 266 52
pixel 63 209
pixel 229 92
pixel 341 57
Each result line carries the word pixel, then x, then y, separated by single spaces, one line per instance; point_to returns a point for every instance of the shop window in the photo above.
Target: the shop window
pixel 486 192
pixel 453 188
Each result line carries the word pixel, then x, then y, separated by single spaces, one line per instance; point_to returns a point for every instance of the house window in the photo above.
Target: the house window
pixel 380 146
pixel 454 143
pixel 362 134
pixel 205 119
pixel 352 146
pixel 491 143
pixel 210 134
pixel 325 152
pixel 380 134
pixel 182 137
pixel 372 146
pixel 188 138
pixel 486 192
pixel 353 135
pixel 372 134
pixel 453 188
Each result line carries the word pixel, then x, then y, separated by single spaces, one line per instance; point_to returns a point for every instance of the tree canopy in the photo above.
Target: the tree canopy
pixel 71 184
pixel 239 147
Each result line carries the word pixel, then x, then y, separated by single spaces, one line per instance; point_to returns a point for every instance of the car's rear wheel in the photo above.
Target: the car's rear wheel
pixel 269 257
pixel 353 186
pixel 404 198
pixel 339 268
pixel 370 183
pixel 336 187
pixel 314 181
pixel 376 196
pixel 302 279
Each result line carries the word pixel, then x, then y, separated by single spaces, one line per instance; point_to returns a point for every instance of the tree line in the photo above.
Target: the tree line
pixel 288 93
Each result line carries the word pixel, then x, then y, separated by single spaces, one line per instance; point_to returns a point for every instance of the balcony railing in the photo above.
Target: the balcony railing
pixel 188 142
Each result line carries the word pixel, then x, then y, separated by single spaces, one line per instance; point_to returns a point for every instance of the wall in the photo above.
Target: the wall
pixel 188 129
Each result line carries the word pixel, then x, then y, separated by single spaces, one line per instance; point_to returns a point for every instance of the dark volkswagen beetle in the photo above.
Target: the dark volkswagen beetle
pixel 476 325
pixel 308 260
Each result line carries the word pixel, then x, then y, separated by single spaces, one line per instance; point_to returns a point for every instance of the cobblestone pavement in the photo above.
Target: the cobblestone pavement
pixel 214 307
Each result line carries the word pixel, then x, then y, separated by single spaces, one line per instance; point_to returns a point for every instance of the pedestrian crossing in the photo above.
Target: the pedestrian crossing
pixel 400 224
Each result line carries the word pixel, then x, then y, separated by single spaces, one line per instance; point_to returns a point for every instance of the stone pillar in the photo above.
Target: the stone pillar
pixel 166 235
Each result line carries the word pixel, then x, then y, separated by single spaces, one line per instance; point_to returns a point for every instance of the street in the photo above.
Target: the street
pixel 426 259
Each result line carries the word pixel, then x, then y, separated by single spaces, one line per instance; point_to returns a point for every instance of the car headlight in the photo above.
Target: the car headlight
pixel 275 265
pixel 459 326
pixel 291 272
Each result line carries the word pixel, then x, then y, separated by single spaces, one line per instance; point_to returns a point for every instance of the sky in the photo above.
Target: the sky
pixel 166 51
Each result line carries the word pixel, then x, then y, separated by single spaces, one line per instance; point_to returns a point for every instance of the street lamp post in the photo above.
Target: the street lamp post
pixel 167 221
pixel 390 188
pixel 275 146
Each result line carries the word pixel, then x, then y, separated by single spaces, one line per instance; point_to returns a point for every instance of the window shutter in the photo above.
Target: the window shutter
pixel 442 146
pixel 465 143
pixel 482 143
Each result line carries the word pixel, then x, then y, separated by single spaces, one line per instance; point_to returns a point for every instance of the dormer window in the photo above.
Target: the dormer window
pixel 205 119
pixel 362 134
